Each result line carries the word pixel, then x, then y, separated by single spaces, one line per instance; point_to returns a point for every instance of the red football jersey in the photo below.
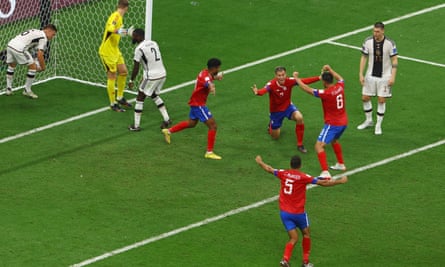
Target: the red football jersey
pixel 293 189
pixel 201 91
pixel 280 95
pixel 334 105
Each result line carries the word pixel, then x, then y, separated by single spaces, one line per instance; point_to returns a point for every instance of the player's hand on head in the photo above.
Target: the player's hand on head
pixel 327 68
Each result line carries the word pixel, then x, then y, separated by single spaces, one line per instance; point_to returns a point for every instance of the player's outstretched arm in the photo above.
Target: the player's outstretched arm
pixel 134 73
pixel 332 182
pixel 41 60
pixel 263 165
pixel 333 72
pixel 257 91
pixel 301 84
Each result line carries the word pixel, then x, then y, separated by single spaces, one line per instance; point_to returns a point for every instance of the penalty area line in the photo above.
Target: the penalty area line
pixel 247 208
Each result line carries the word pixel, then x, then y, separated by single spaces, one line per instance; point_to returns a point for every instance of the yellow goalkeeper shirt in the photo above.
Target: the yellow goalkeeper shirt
pixel 110 40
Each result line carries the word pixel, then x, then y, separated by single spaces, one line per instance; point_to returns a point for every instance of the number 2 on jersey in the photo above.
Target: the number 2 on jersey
pixel 288 186
pixel 157 58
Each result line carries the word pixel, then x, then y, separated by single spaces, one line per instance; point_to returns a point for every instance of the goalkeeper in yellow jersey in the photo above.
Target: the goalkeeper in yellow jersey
pixel 112 57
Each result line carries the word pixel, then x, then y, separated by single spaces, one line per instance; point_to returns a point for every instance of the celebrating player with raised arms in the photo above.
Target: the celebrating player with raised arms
pixel 112 57
pixel 335 118
pixel 147 53
pixel 292 202
pixel 281 106
pixel 19 52
pixel 198 109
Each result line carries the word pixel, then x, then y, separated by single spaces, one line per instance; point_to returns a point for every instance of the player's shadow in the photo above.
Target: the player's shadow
pixel 60 154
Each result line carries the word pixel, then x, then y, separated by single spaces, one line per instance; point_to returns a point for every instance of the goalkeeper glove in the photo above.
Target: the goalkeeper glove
pixel 122 31
pixel 130 31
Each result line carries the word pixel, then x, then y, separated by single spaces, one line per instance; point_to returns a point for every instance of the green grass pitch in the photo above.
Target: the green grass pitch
pixel 76 191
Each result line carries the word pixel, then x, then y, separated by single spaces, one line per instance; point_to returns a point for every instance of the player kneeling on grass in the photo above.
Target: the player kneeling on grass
pixel 148 53
pixel 198 109
pixel 292 201
pixel 281 106
pixel 19 52
pixel 335 118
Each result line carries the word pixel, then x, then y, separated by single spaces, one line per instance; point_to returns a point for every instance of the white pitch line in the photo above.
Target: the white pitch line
pixel 399 56
pixel 248 207
pixel 241 67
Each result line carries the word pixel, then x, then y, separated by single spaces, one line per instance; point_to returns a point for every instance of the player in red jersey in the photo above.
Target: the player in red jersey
pixel 281 106
pixel 292 201
pixel 198 109
pixel 335 118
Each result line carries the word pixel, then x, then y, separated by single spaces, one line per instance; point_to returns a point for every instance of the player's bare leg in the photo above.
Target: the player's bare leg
pixel 322 159
pixel 178 127
pixel 381 108
pixel 121 81
pixel 306 245
pixel 367 108
pixel 10 77
pixel 30 76
pixel 275 133
pixel 299 130
pixel 138 108
pixel 211 136
pixel 340 165
pixel 288 249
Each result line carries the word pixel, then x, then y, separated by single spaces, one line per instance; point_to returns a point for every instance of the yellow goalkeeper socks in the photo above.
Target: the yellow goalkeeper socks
pixel 121 80
pixel 111 91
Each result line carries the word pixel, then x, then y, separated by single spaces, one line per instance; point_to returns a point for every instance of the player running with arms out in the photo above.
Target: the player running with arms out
pixel 112 57
pixel 335 118
pixel 292 202
pixel 198 109
pixel 381 54
pixel 281 106
pixel 147 53
pixel 19 52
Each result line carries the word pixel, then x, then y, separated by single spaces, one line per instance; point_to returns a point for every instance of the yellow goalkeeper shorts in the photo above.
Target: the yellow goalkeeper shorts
pixel 111 62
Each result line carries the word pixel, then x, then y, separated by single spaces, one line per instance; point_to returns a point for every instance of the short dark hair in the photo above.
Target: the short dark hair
pixel 139 32
pixel 50 27
pixel 280 68
pixel 213 63
pixel 327 77
pixel 380 25
pixel 122 3
pixel 295 162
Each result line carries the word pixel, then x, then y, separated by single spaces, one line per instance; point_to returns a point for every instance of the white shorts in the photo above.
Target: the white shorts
pixel 375 86
pixel 21 58
pixel 150 87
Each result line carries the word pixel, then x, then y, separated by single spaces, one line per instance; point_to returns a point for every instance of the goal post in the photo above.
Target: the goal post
pixel 73 53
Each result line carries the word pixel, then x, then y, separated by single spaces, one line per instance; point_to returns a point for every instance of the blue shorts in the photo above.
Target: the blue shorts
pixel 292 221
pixel 201 113
pixel 276 118
pixel 330 133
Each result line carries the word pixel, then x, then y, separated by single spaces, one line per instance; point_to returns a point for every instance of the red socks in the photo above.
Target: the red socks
pixel 179 127
pixel 323 160
pixel 211 136
pixel 306 249
pixel 299 131
pixel 337 149
pixel 288 251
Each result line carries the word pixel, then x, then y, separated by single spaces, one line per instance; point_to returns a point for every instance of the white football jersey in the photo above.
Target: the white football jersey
pixel 147 53
pixel 379 56
pixel 29 40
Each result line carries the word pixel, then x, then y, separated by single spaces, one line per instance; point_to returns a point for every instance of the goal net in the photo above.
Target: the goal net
pixel 73 53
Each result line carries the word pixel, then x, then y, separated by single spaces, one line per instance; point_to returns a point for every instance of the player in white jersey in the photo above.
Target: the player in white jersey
pixel 19 51
pixel 381 54
pixel 147 53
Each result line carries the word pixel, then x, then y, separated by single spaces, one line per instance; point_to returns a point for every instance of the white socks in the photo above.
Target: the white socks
pixel 367 107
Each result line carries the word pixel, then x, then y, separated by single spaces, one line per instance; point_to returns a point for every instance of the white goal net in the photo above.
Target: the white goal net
pixel 72 54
